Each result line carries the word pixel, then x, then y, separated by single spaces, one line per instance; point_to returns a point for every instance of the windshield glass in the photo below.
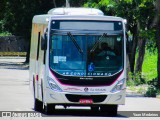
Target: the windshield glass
pixel 76 54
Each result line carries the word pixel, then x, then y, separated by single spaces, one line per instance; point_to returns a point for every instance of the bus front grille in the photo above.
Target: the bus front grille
pixel 95 98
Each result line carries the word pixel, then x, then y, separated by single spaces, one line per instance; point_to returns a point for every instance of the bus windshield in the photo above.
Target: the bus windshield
pixel 86 54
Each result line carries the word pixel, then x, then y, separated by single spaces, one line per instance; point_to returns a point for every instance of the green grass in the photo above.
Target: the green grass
pixel 149 68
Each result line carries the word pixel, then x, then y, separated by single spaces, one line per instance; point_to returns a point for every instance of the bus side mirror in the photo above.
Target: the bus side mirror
pixel 44 42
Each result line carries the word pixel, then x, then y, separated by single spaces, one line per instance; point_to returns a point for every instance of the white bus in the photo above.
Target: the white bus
pixel 78 58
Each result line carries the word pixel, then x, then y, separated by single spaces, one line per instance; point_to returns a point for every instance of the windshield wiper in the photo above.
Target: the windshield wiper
pixel 75 42
pixel 96 44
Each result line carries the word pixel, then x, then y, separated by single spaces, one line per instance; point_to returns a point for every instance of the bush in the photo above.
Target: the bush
pixel 153 82
pixel 151 92
pixel 135 79
pixel 153 89
pixel 130 83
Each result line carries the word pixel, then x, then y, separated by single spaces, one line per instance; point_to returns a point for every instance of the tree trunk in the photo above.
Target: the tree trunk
pixel 128 66
pixel 133 50
pixel 67 3
pixel 158 47
pixel 54 2
pixel 132 55
pixel 141 53
pixel 157 6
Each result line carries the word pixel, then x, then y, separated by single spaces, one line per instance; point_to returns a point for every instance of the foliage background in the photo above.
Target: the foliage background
pixel 142 16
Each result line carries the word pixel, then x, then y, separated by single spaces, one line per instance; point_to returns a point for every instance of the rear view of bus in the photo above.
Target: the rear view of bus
pixel 78 59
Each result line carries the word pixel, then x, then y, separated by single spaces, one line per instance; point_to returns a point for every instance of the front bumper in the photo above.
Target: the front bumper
pixel 64 98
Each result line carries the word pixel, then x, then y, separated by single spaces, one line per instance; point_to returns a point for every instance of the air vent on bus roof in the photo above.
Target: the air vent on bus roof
pixel 75 11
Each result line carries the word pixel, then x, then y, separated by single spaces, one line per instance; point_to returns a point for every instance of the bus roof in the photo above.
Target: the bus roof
pixel 75 11
pixel 74 14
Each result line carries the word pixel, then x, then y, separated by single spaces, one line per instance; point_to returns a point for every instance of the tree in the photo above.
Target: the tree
pixel 139 14
pixel 2 9
pixel 157 23
pixel 126 9
pixel 16 16
pixel 145 18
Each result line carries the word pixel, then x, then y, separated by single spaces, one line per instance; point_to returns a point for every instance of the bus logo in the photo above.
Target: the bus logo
pixel 86 89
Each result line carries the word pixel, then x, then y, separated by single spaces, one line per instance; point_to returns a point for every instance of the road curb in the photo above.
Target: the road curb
pixel 133 94
pixel 130 93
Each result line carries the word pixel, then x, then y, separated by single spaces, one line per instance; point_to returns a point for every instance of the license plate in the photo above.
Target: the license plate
pixel 86 101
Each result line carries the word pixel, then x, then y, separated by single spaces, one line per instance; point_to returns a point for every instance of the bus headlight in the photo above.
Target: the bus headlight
pixel 118 86
pixel 53 85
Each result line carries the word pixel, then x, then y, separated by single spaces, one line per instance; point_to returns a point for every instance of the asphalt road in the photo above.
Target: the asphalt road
pixel 16 97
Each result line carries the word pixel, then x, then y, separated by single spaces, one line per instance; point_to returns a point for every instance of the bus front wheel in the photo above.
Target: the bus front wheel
pixel 49 109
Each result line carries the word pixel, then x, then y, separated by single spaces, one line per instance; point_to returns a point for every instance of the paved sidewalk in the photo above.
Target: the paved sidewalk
pixel 13 63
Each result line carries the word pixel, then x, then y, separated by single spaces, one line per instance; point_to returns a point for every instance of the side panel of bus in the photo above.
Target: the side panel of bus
pixel 37 61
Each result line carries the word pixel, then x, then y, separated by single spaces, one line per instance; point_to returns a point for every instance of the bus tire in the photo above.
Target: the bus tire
pixel 49 109
pixel 111 110
pixel 38 105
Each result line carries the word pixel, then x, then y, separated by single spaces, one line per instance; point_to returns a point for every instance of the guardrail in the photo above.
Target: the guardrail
pixel 13 53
